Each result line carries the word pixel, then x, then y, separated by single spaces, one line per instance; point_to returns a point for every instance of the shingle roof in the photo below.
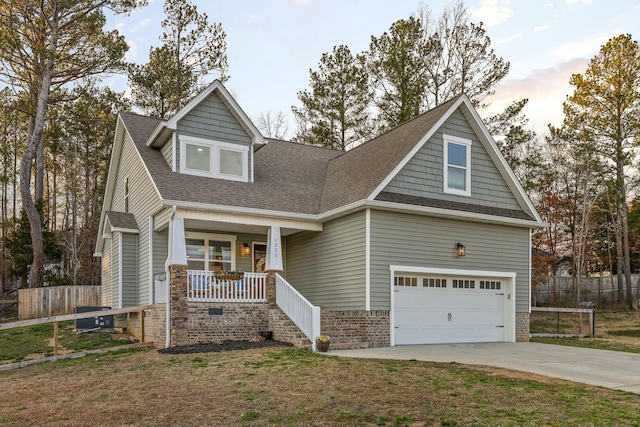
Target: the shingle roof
pixel 356 174
pixel 445 204
pixel 122 220
pixel 299 178
pixel 289 177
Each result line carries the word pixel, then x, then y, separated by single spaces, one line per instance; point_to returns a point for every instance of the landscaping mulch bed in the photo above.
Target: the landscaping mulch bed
pixel 223 346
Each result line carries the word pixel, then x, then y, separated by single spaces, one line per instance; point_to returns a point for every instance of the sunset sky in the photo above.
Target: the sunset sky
pixel 272 44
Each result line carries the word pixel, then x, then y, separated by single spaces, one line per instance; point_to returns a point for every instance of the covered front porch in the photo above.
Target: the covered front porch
pixel 205 291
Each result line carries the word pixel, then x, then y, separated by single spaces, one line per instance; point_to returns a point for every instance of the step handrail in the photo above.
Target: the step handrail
pixel 302 313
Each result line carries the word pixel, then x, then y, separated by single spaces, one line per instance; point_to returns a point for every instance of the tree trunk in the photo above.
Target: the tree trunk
pixel 26 163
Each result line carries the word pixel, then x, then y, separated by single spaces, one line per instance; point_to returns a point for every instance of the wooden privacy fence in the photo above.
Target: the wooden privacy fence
pixel 56 300
pixel 595 290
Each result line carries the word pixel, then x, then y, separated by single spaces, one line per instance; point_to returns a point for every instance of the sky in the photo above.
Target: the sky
pixel 272 44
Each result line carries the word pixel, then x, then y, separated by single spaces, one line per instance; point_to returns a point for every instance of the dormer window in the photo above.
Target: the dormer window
pixel 457 165
pixel 214 159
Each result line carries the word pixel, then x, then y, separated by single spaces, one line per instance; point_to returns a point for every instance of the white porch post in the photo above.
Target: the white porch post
pixel 274 250
pixel 178 249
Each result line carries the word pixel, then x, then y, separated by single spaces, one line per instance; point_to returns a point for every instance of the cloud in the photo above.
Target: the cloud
pixel 132 53
pixel 492 12
pixel 587 47
pixel 508 39
pixel 579 1
pixel 546 90
pixel 540 27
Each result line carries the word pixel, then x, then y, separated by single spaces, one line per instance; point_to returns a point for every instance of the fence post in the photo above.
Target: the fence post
pixel 141 325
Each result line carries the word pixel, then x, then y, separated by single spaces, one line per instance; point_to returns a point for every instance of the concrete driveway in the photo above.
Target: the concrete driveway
pixel 612 369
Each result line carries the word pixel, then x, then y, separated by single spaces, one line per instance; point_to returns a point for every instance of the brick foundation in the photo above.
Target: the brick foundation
pixel 216 322
pixel 154 325
pixel 285 330
pixel 522 327
pixel 356 328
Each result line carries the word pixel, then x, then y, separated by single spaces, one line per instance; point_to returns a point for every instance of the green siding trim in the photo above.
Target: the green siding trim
pixel 129 270
pixel 422 176
pixel 328 267
pixel 421 241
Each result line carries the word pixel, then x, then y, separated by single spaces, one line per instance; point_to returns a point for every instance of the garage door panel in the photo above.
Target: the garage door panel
pixel 425 315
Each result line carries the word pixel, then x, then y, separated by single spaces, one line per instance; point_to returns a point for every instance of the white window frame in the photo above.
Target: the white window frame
pixel 214 161
pixel 219 237
pixel 449 139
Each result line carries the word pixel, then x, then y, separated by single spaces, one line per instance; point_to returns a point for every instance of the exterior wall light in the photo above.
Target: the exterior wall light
pixel 246 249
pixel 460 248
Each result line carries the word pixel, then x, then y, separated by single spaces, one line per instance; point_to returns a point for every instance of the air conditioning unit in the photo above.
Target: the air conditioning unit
pixel 96 322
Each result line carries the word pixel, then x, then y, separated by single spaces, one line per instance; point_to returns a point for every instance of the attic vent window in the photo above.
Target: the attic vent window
pixel 457 165
pixel 214 159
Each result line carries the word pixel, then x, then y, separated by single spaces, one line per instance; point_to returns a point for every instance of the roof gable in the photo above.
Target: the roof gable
pixel 365 172
pixel 164 129
pixel 423 175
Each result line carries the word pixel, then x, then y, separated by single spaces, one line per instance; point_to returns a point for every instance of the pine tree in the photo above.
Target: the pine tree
pixel 336 109
pixel 604 112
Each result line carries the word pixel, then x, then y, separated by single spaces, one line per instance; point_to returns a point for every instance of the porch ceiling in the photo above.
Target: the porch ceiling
pixel 218 226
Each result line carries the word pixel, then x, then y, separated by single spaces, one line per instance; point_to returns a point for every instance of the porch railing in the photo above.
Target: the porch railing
pixel 204 286
pixel 305 315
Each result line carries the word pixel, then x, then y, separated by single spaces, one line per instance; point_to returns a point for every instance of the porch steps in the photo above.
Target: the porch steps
pixel 285 330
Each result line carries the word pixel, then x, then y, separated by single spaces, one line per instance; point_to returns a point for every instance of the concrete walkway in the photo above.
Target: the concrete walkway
pixel 612 369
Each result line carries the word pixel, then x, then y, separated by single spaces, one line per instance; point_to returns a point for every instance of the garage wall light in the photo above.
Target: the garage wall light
pixel 246 249
pixel 460 248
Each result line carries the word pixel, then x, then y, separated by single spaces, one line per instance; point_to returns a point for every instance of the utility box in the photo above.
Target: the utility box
pixel 93 322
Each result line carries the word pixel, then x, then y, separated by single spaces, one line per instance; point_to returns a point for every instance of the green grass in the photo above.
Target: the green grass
pixel 287 386
pixel 19 343
pixel 595 343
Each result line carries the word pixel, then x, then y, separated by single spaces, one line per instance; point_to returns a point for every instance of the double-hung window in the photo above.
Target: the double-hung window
pixel 214 159
pixel 210 252
pixel 457 165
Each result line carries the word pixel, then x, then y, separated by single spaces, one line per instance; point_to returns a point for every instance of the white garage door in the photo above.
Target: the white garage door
pixel 437 310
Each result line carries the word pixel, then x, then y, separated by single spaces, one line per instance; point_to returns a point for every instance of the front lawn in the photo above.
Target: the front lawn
pixel 283 386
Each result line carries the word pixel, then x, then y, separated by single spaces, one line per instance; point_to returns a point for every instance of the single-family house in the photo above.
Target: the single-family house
pixel 420 235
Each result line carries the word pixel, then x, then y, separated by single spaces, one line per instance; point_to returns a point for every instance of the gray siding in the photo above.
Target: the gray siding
pixel 115 271
pixel 129 270
pixel 106 273
pixel 143 202
pixel 422 176
pixel 160 250
pixel 167 152
pixel 245 263
pixel 413 240
pixel 211 119
pixel 328 267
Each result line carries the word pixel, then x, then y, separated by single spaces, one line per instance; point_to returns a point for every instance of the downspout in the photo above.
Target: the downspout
pixel 167 340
